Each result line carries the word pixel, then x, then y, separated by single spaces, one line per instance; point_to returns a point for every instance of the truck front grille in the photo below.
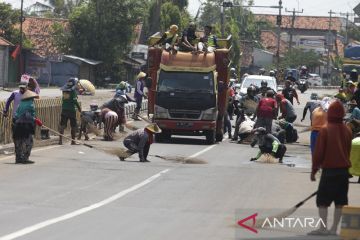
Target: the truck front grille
pixel 184 114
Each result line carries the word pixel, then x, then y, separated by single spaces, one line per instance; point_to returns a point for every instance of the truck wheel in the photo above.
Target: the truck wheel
pixel 210 137
pixel 219 137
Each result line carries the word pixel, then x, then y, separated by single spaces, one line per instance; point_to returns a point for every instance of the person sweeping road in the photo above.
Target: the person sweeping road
pixel 140 140
pixel 332 154
pixel 24 127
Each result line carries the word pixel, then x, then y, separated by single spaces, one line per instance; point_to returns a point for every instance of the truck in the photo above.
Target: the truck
pixel 351 58
pixel 188 93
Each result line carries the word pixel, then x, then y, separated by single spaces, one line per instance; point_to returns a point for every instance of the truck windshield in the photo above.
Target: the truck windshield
pixel 186 82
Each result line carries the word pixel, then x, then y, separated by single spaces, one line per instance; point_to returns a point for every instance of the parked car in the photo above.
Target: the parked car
pixel 256 80
pixel 314 80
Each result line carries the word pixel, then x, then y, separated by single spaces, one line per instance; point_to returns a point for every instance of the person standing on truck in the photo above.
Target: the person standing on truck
pixel 290 93
pixel 332 155
pixel 187 42
pixel 208 43
pixel 140 140
pixel 169 38
pixel 68 109
pixel 139 94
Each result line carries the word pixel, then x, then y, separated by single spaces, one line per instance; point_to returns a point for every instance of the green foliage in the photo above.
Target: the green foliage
pixel 60 37
pixel 170 14
pixel 297 57
pixel 103 29
pixel 63 8
pixel 353 33
pixel 9 18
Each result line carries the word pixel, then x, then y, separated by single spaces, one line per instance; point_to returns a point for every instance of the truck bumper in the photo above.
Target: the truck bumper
pixel 185 126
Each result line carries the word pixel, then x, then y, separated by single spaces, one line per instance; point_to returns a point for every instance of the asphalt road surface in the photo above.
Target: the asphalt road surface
pixel 74 192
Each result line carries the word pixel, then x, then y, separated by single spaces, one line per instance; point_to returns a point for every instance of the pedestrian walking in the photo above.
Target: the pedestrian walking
pixel 267 144
pixel 68 109
pixel 24 127
pixel 266 111
pixel 332 154
pixel 319 120
pixel 140 140
pixel 286 108
pixel 227 124
pixel 290 93
pixel 139 94
pixel 110 120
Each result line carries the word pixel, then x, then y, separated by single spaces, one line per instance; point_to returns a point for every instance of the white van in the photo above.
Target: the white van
pixel 256 80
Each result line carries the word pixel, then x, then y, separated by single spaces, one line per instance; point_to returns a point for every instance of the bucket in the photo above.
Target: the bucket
pixel 350 225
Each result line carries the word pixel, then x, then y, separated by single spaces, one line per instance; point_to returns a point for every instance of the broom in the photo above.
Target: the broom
pixel 260 223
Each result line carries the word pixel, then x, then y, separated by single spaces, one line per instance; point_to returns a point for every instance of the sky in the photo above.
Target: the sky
pixel 311 7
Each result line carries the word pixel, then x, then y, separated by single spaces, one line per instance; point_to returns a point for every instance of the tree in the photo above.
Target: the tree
pixel 63 8
pixel 297 57
pixel 9 18
pixel 102 29
pixel 169 14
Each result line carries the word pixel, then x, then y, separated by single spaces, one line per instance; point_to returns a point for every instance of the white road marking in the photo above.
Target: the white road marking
pixel 78 212
pixel 204 150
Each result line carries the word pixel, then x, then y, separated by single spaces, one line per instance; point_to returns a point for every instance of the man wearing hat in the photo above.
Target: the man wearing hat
pixel 354 120
pixel 140 141
pixel 68 111
pixel 24 127
pixel 267 144
pixel 139 94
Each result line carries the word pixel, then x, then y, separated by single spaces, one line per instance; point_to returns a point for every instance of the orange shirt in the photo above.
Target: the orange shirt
pixel 318 119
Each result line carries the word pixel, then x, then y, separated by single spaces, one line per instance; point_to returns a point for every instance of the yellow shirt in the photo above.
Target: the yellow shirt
pixel 318 119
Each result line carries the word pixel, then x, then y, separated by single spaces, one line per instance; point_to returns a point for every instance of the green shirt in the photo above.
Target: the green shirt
pixel 24 107
pixel 69 101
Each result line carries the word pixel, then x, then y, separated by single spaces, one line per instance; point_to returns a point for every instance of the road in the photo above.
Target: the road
pixel 74 192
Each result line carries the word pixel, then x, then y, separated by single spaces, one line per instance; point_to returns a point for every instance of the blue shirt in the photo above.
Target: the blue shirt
pixel 355 114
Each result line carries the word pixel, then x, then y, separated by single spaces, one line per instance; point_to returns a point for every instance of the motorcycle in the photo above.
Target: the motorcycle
pixel 303 85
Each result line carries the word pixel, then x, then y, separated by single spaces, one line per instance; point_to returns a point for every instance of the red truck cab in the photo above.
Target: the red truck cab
pixel 188 94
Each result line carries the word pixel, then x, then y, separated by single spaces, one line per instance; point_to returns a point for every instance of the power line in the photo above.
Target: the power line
pixel 292 25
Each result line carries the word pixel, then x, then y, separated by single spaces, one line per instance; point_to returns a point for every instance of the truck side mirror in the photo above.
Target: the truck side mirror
pixel 148 82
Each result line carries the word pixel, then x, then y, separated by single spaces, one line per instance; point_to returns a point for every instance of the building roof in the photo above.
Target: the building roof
pixel 39 32
pixel 304 22
pixel 269 41
pixel 4 42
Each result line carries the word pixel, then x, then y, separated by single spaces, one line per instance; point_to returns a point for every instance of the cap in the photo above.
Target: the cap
pixel 22 84
pixel 153 128
pixel 141 75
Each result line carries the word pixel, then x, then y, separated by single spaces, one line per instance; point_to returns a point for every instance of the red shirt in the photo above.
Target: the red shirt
pixel 266 108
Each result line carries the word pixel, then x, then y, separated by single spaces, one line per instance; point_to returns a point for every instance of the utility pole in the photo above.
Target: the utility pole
pixel 21 71
pixel 329 44
pixel 292 25
pixel 347 14
pixel 222 21
pixel 278 36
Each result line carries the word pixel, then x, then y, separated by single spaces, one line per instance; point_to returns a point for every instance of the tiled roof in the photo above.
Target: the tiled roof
pixel 4 42
pixel 269 41
pixel 39 32
pixel 304 22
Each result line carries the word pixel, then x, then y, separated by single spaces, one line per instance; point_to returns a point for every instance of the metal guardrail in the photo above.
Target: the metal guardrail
pixel 49 111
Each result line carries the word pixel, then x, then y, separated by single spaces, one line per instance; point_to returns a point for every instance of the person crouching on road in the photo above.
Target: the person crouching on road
pixel 68 110
pixel 286 108
pixel 332 154
pixel 140 140
pixel 24 127
pixel 268 144
pixel 110 120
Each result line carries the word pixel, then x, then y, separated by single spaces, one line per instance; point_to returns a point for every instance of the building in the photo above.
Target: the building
pixel 4 61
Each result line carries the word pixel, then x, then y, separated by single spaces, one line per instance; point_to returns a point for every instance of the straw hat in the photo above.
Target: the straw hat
pixel 353 102
pixel 29 94
pixel 141 75
pixel 174 27
pixel 154 128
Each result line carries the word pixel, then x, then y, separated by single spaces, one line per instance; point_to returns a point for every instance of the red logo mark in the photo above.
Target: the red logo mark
pixel 252 229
